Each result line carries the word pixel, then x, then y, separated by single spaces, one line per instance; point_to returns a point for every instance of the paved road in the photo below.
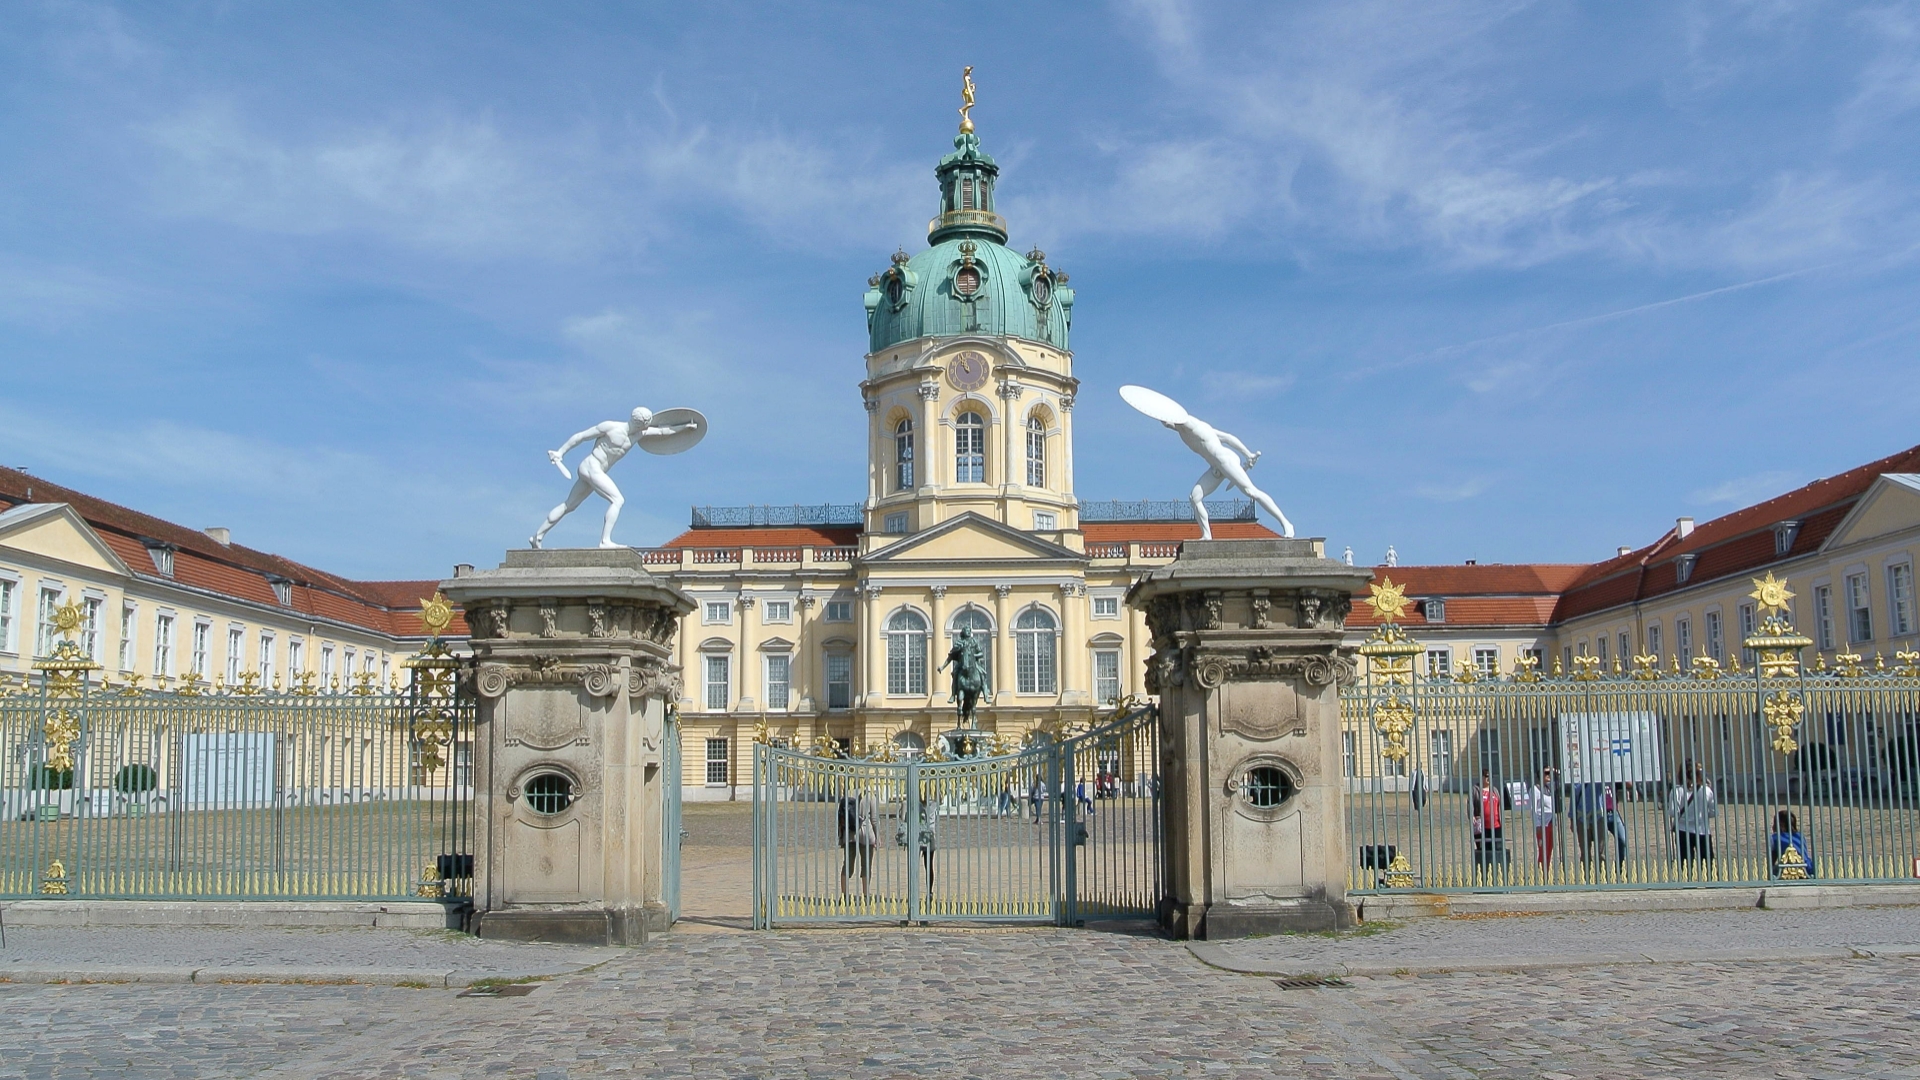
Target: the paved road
pixel 987 1003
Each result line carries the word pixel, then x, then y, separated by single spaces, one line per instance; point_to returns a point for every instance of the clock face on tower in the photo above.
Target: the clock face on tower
pixel 968 371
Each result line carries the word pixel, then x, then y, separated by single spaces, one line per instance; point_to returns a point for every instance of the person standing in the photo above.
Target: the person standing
pixel 1691 809
pixel 859 829
pixel 1484 807
pixel 1543 813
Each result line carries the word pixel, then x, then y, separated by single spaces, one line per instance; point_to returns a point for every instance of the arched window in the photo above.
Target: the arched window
pixel 1036 652
pixel 1036 451
pixel 974 618
pixel 906 653
pixel 903 455
pixel 970 449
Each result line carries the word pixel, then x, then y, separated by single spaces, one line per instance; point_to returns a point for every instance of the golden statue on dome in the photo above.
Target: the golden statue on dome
pixel 966 97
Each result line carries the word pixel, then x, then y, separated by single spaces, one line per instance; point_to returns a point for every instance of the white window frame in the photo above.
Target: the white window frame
pixel 894 524
pixel 164 624
pixel 1036 653
pixel 236 652
pixel 93 604
pixel 778 691
pixel 200 655
pixel 1107 687
pixel 1600 649
pixel 716 681
pixel 906 654
pixel 716 613
pixel 268 656
pixel 1486 660
pixel 1045 521
pixel 129 633
pixel 1823 617
pixel 1683 641
pixel 1036 451
pixel 1859 608
pixel 44 637
pixel 1099 600
pixel 903 455
pixel 326 663
pixel 1625 643
pixel 296 658
pixel 1440 662
pixel 835 658
pixel 1749 624
pixel 1899 599
pixel 1434 609
pixel 719 751
pixel 9 613
pixel 970 461
pixel 1440 753
pixel 1653 641
pixel 1713 629
pixel 776 611
pixel 837 611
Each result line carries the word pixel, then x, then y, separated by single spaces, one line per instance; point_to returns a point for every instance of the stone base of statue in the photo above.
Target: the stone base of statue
pixel 573 671
pixel 1248 665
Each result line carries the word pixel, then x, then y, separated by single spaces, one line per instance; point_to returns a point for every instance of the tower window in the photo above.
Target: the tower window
pixel 1035 649
pixel 966 193
pixel 966 281
pixel 1036 451
pixel 903 455
pixel 906 653
pixel 970 449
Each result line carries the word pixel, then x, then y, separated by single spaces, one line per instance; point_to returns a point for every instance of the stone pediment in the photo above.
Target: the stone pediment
pixel 973 539
pixel 1891 505
pixel 55 531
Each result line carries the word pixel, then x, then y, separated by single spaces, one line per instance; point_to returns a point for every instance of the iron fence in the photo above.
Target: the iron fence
pixel 1164 510
pixel 705 517
pixel 1065 830
pixel 231 793
pixel 1631 778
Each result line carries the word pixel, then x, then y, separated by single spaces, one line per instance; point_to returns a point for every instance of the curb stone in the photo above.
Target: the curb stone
pixel 1215 956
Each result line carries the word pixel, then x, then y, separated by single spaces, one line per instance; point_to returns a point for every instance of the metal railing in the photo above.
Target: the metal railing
pixel 1112 510
pixel 1640 777
pixel 707 517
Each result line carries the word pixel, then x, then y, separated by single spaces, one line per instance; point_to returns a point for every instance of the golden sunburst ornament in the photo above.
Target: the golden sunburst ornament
pixel 1771 592
pixel 1389 601
pixel 437 613
pixel 67 619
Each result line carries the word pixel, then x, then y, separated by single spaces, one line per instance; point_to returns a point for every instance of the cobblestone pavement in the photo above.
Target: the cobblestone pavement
pixel 986 1003
pixel 1492 940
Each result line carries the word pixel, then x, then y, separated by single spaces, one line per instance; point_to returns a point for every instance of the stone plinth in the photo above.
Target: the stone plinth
pixel 1248 664
pixel 573 670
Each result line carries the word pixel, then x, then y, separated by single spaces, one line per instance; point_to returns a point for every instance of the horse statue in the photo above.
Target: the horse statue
pixel 969 675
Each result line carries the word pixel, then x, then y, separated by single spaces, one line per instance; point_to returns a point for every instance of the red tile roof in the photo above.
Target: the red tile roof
pixel 1503 595
pixel 1739 543
pixel 201 562
pixel 769 536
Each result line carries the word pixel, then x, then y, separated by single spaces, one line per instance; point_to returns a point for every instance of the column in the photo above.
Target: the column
pixel 1003 673
pixel 937 643
pixel 744 700
pixel 1134 658
pixel 807 661
pixel 871 648
pixel 1073 644
pixel 1065 483
pixel 924 447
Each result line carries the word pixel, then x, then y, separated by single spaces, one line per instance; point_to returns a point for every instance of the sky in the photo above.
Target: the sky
pixel 1514 282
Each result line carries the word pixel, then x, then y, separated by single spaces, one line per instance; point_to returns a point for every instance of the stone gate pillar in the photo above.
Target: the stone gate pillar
pixel 573 668
pixel 1248 663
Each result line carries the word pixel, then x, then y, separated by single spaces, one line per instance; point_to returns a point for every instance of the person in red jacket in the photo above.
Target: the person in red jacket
pixel 1485 806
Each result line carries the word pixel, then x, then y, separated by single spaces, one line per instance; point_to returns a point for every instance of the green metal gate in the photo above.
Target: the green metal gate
pixel 672 833
pixel 1063 831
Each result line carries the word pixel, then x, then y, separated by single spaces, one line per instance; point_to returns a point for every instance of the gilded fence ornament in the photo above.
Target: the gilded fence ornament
pixel 1399 873
pixel 1909 664
pixel 762 736
pixel 1879 662
pixel 1558 671
pixel 1820 664
pixel 1393 718
pixel 1588 669
pixel 1674 669
pixel 1526 669
pixel 64 678
pixel 192 684
pixel 54 883
pixel 303 683
pixel 1706 667
pixel 431 887
pixel 1782 713
pixel 1646 668
pixel 824 746
pixel 1791 866
pixel 1847 665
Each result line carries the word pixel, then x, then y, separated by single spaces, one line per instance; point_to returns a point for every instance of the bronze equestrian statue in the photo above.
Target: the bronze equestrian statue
pixel 969 675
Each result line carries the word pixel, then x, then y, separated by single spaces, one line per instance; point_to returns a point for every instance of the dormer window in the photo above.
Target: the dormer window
pixel 1435 609
pixel 161 553
pixel 282 588
pixel 1784 533
pixel 966 193
pixel 1683 568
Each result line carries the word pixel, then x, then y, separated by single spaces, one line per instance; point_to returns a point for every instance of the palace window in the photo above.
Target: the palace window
pixel 839 680
pixel 200 659
pixel 718 772
pixel 236 646
pixel 1747 627
pixel 970 449
pixel 1600 648
pixel 1859 616
pixel 266 658
pixel 1539 657
pixel 777 611
pixel 718 611
pixel 966 193
pixel 1106 676
pixel 1653 642
pixel 906 653
pixel 1045 521
pixel 90 626
pixel 1106 607
pixel 1435 609
pixel 326 664
pixel 162 645
pixel 1715 644
pixel 1440 753
pixel 1036 652
pixel 1486 660
pixel 976 620
pixel 129 614
pixel 1348 744
pixel 296 658
pixel 719 682
pixel 1626 647
pixel 43 635
pixel 1440 662
pixel 903 455
pixel 1036 451
pixel 839 611
pixel 779 680
pixel 8 590
pixel 894 524
pixel 1900 598
pixel 1823 616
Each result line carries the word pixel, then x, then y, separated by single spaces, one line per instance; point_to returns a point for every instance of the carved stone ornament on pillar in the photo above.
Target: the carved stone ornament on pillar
pixel 1248 664
pixel 573 668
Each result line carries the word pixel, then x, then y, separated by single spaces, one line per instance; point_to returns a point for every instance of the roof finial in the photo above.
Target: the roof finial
pixel 966 96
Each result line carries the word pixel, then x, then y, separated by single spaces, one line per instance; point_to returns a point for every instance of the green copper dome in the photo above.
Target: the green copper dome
pixel 968 281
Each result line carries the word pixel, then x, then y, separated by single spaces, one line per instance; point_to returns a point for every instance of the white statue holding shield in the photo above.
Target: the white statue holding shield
pixel 1228 458
pixel 669 432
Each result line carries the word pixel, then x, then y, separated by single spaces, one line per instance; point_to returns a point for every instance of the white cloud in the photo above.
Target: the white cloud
pixel 1246 384
pixel 1746 490
pixel 1459 491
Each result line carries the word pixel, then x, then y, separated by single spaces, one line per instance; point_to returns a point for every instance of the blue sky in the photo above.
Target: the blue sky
pixel 1511 282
